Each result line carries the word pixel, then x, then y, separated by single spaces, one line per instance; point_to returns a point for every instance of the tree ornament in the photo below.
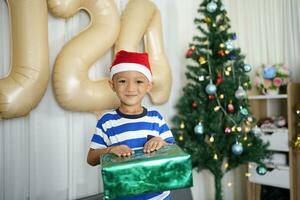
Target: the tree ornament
pixel 247 67
pixel 229 68
pixel 232 57
pixel 210 88
pixel 182 126
pixel 229 45
pixel 198 129
pixel 217 108
pixel 256 131
pixel 234 37
pixel 227 130
pixel 194 104
pixel 180 138
pixel 237 149
pixel 207 20
pixel 219 79
pixel 190 52
pixel 215 156
pixel 211 7
pixel 211 97
pixel 221 52
pixel 243 111
pixel 250 119
pixel 240 93
pixel 247 129
pixel 261 170
pixel 201 78
pixel 230 107
pixel 205 42
pixel 201 60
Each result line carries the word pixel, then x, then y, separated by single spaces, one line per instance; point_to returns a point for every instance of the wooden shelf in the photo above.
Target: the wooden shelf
pixel 266 97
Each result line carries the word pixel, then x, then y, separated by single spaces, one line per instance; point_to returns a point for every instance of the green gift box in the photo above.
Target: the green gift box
pixel 166 169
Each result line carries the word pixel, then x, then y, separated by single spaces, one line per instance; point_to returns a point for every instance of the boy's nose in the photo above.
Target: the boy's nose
pixel 131 86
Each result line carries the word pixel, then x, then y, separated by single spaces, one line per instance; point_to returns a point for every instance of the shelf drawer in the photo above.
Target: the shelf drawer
pixel 278 177
pixel 278 139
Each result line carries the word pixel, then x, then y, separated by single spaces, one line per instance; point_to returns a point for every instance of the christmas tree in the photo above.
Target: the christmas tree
pixel 214 123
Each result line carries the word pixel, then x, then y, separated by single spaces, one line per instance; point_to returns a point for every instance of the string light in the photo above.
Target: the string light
pixel 215 156
pixel 212 139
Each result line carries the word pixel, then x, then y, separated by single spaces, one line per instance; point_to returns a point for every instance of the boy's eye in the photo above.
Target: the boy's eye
pixel 121 81
pixel 139 81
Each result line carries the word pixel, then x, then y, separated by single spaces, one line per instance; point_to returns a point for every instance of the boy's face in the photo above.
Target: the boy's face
pixel 131 87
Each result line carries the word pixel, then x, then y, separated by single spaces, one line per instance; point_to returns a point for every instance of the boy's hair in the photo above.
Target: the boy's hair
pixel 131 61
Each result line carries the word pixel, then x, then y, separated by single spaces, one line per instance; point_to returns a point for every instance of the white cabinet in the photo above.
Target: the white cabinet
pixel 284 168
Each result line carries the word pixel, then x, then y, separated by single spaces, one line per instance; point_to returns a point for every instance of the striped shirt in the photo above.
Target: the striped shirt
pixel 116 128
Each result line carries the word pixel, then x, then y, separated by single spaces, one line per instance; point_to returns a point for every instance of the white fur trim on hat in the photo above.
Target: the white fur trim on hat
pixel 131 67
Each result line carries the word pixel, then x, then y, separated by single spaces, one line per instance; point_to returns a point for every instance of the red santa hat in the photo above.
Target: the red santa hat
pixel 131 61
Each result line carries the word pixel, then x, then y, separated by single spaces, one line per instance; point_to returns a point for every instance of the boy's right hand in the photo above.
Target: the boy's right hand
pixel 121 150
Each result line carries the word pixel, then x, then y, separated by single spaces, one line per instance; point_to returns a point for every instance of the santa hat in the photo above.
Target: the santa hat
pixel 131 61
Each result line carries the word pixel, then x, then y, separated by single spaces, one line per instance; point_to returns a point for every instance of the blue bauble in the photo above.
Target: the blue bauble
pixel 243 111
pixel 211 7
pixel 237 149
pixel 229 45
pixel 199 129
pixel 261 170
pixel 269 72
pixel 211 89
pixel 247 68
pixel 256 131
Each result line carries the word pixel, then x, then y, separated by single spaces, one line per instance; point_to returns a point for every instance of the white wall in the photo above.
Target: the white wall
pixel 43 155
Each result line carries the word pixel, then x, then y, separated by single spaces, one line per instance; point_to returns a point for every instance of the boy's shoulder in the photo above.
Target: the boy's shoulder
pixel 108 115
pixel 153 112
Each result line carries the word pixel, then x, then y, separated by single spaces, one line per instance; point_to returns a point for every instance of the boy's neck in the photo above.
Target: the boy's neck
pixel 128 110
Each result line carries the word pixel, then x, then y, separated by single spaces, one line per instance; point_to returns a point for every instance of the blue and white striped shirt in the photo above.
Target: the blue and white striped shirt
pixel 116 128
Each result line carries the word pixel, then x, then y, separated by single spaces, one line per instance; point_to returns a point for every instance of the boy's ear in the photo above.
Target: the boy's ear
pixel 150 85
pixel 111 84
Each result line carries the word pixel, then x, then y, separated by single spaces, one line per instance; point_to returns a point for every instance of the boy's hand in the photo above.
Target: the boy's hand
pixel 121 150
pixel 154 144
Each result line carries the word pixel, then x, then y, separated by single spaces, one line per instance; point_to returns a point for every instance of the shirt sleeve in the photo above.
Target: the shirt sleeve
pixel 100 139
pixel 164 132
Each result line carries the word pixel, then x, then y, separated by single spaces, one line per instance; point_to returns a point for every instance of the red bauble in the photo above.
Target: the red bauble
pixel 230 108
pixel 194 104
pixel 190 52
pixel 211 97
pixel 221 53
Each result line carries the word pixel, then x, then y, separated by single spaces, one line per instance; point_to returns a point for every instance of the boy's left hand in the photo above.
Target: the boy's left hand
pixel 154 144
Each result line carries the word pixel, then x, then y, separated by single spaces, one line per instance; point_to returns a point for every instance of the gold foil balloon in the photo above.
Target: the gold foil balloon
pixel 22 89
pixel 141 20
pixel 72 87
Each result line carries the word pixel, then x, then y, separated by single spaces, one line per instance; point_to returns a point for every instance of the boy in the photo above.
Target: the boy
pixel 131 126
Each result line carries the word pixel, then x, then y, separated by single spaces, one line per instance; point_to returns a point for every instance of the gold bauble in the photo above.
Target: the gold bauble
pixel 202 60
pixel 182 125
pixel 180 138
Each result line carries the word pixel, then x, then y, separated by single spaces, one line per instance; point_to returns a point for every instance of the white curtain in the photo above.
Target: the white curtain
pixel 43 155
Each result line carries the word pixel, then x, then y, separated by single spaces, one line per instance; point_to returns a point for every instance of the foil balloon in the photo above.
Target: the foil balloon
pixel 22 89
pixel 141 20
pixel 72 87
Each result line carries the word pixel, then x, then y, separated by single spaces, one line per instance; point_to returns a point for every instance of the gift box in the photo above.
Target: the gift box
pixel 166 169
